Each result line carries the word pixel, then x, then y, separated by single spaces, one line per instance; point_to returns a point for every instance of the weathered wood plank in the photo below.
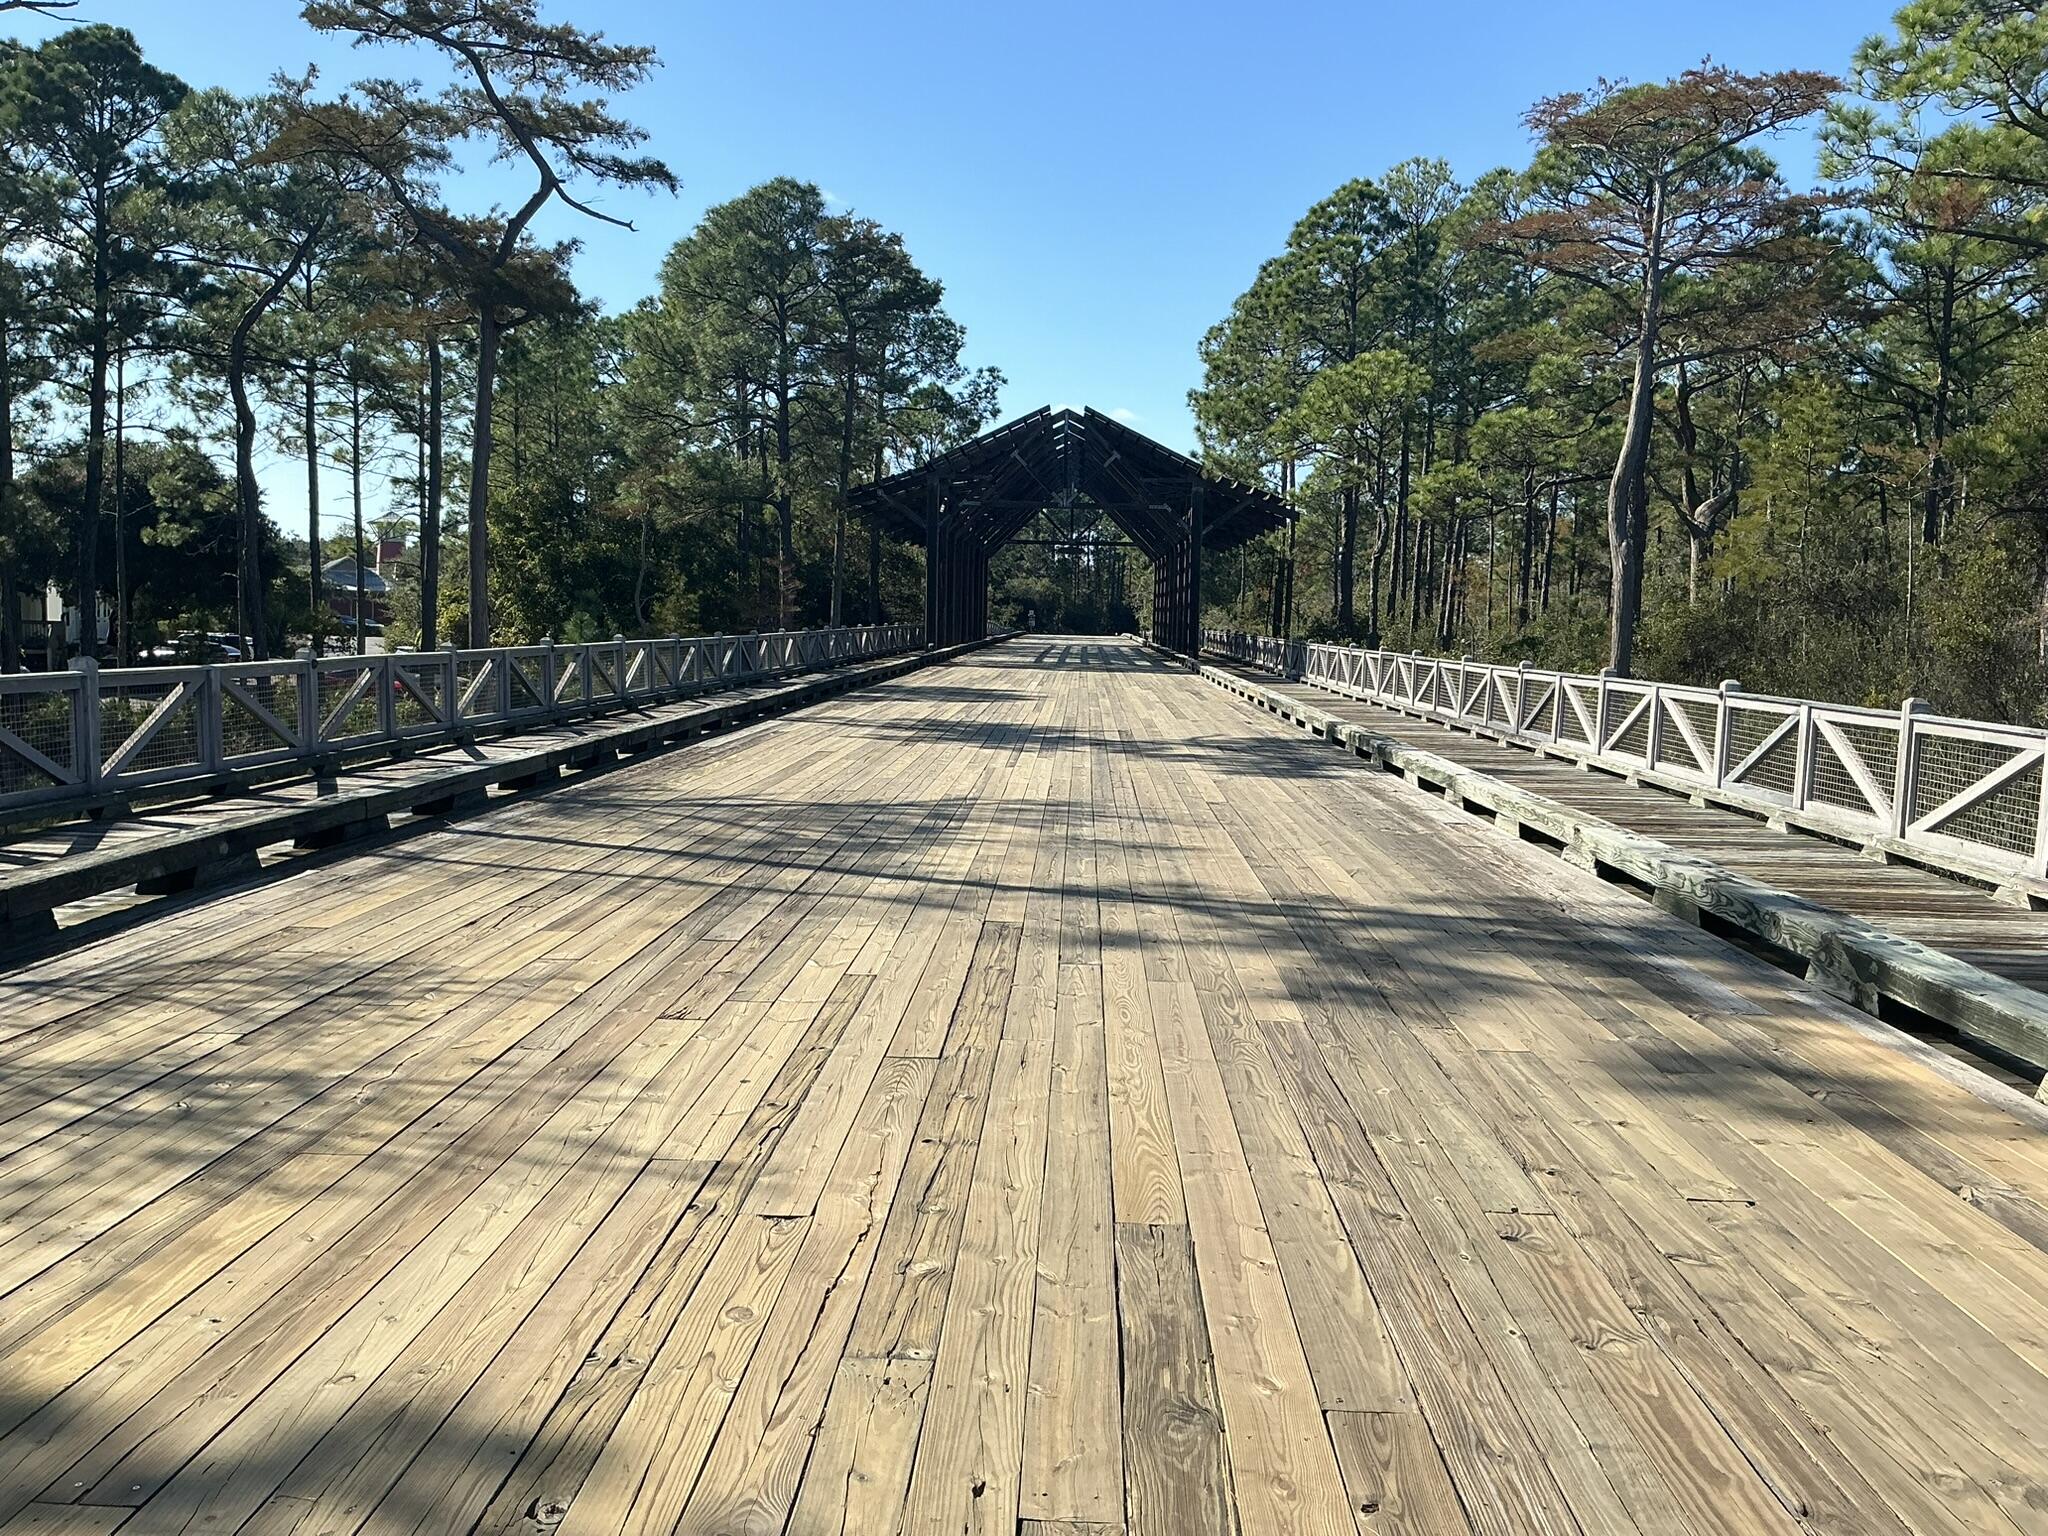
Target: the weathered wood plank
pixel 1176 1468
pixel 1072 1469
pixel 1395 1475
pixel 859 1469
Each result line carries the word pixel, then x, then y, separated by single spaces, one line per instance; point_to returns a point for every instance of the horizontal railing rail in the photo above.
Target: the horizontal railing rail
pixel 1969 796
pixel 89 731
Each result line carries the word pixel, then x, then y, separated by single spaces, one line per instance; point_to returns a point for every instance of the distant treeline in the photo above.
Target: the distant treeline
pixel 1642 404
pixel 190 278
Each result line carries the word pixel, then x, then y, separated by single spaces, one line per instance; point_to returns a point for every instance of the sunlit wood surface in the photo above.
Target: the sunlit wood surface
pixel 1037 1094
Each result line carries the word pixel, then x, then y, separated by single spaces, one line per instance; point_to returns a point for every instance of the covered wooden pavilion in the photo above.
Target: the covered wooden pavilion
pixel 968 502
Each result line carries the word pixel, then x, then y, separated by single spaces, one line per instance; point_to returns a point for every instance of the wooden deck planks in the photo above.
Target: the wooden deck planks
pixel 1035 1096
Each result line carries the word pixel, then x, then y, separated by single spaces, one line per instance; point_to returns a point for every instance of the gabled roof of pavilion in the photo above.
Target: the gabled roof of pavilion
pixel 1066 459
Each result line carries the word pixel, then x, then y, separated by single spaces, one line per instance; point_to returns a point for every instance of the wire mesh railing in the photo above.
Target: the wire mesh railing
pixel 1963 795
pixel 89 731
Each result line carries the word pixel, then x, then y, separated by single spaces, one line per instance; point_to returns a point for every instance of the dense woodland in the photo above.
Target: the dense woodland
pixel 1643 403
pixel 193 279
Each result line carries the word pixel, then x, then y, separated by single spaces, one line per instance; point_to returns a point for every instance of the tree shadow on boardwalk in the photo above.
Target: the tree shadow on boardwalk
pixel 1360 965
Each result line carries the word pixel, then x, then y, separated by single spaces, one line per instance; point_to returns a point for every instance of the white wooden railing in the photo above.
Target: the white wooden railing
pixel 89 731
pixel 1968 796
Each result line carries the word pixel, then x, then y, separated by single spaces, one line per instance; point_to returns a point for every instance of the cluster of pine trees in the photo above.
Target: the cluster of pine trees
pixel 1645 405
pixel 191 279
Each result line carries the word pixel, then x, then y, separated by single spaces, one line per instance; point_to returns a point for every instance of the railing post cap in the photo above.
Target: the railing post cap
pixel 304 653
pixel 85 664
pixel 1912 706
pixel 1731 685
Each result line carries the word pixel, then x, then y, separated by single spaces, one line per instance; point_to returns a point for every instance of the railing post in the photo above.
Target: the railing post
pixel 547 674
pixel 1465 688
pixel 451 698
pixel 212 729
pixel 85 723
pixel 386 667
pixel 1600 712
pixel 1903 774
pixel 1724 732
pixel 1654 741
pixel 1522 696
pixel 1802 770
pixel 2038 865
pixel 308 711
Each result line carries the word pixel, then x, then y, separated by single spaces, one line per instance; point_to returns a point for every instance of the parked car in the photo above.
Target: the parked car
pixel 191 647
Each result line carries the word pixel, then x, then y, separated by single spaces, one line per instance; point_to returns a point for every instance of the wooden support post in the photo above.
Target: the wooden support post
pixel 931 562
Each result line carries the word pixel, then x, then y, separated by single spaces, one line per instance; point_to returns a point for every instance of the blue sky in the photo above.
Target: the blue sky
pixel 1093 182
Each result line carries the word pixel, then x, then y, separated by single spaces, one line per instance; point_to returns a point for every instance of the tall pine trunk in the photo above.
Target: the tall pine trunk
pixel 1549 551
pixel 1420 538
pixel 1403 529
pixel 785 511
pixel 1627 491
pixel 310 425
pixel 248 498
pixel 488 333
pixel 123 649
pixel 355 476
pixel 845 478
pixel 1934 501
pixel 10 591
pixel 430 511
pixel 875 531
pixel 1347 564
pixel 95 462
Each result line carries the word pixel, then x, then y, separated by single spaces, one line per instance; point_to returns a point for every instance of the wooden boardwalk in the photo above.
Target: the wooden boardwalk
pixel 1039 1094
pixel 1946 914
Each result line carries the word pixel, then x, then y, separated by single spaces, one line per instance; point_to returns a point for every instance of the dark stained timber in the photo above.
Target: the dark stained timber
pixel 972 500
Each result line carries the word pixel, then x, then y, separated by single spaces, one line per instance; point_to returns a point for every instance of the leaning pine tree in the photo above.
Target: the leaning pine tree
pixel 524 88
pixel 1637 187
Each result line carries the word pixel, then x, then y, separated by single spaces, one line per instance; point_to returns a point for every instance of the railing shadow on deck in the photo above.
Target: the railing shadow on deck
pixel 1384 942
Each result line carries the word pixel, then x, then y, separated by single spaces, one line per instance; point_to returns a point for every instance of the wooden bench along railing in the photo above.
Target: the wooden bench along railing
pixel 87 732
pixel 1966 796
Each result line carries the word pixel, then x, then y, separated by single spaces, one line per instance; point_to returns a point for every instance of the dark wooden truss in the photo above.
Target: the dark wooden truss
pixel 971 500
